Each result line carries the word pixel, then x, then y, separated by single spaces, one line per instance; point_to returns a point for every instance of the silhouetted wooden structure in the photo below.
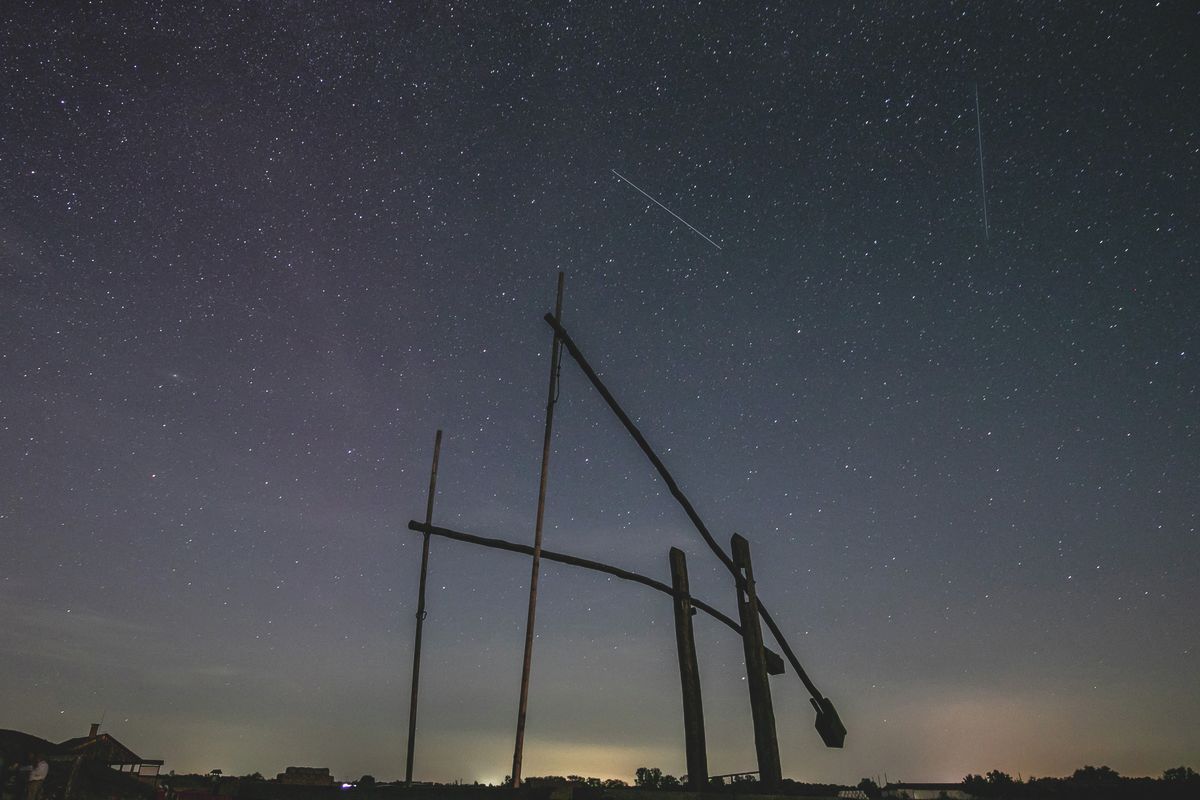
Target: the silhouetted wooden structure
pixel 828 724
pixel 760 661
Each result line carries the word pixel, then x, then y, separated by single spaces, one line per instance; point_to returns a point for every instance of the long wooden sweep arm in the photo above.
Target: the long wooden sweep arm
pixel 827 720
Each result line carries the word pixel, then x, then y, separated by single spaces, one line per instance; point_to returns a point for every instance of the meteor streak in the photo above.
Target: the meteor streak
pixel 987 234
pixel 669 211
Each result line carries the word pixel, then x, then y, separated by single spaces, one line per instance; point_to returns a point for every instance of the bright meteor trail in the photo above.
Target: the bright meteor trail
pixel 669 211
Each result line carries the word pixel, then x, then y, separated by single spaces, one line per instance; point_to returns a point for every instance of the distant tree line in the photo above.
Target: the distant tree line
pixel 653 779
pixel 1087 783
pixel 573 780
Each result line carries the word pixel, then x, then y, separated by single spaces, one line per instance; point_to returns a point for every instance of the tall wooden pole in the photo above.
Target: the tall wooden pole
pixel 765 742
pixel 551 399
pixel 416 669
pixel 689 675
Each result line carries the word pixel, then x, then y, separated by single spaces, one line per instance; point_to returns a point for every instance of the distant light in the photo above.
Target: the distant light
pixel 347 785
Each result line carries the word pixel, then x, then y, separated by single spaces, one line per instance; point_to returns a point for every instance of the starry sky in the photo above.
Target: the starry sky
pixel 252 256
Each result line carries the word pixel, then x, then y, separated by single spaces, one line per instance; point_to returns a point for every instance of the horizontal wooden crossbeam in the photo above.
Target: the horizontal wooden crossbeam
pixel 774 660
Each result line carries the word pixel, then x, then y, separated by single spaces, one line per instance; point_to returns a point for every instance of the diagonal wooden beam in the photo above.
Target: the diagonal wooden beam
pixel 828 724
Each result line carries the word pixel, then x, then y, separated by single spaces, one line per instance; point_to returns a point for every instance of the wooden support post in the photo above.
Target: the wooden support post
pixel 416 668
pixel 526 664
pixel 689 675
pixel 765 742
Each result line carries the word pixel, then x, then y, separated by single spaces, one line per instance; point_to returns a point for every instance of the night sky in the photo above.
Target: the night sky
pixel 253 255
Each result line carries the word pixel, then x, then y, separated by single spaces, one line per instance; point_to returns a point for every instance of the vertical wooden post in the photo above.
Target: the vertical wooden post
pixel 689 675
pixel 416 669
pixel 765 742
pixel 551 399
